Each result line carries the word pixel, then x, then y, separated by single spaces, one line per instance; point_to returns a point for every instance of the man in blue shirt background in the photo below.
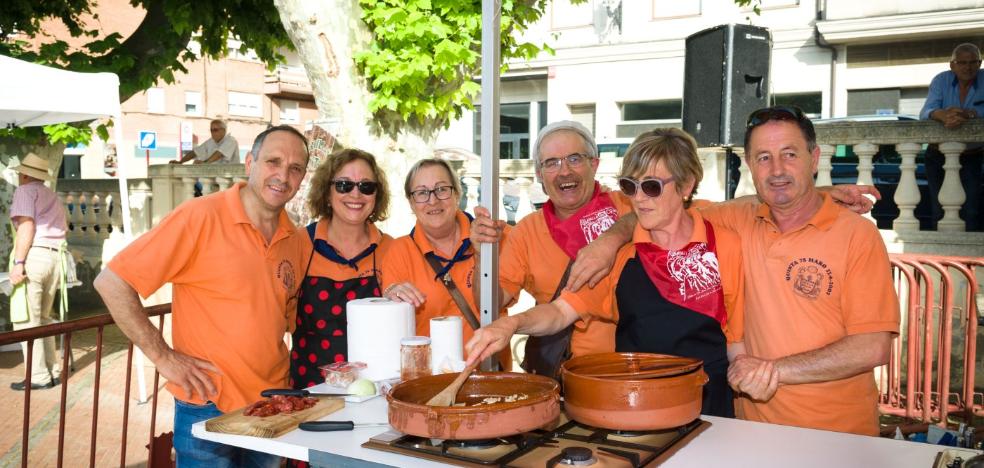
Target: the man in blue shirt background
pixel 956 96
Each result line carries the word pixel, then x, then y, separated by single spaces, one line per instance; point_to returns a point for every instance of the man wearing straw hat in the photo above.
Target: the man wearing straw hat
pixel 39 221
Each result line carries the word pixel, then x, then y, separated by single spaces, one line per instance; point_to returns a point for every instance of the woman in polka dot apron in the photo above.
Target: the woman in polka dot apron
pixel 349 194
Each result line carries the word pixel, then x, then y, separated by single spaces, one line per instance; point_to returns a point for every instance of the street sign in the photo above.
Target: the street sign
pixel 187 136
pixel 148 140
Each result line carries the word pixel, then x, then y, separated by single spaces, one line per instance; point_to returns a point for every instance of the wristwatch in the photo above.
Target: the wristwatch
pixel 20 262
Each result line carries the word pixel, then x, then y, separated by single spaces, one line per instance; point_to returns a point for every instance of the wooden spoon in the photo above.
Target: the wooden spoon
pixel 446 396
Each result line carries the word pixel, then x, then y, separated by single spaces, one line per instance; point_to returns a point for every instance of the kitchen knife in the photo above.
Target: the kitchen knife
pixel 326 426
pixel 299 393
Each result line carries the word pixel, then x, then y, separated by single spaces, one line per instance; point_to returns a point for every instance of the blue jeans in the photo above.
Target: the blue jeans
pixel 193 452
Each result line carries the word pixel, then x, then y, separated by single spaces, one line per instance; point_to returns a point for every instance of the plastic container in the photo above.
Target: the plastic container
pixel 341 374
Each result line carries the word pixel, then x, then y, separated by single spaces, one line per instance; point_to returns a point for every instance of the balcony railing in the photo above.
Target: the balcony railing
pixel 518 187
pixel 169 185
pixel 287 83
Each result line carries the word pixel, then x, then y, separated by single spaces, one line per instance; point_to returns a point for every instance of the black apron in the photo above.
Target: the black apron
pixel 648 323
pixel 321 336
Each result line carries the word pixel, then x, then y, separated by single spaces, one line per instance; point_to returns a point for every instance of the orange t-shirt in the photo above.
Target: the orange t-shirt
pixel 321 266
pixel 234 295
pixel 806 289
pixel 405 262
pixel 600 302
pixel 533 261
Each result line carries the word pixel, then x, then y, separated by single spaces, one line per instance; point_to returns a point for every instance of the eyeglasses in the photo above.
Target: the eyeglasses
pixel 366 187
pixel 574 161
pixel 964 63
pixel 764 115
pixel 215 129
pixel 423 195
pixel 652 187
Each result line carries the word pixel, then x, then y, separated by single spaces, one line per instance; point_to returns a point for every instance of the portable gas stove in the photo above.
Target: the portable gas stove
pixel 570 444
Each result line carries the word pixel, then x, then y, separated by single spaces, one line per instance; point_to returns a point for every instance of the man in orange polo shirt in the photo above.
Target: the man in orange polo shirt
pixel 536 253
pixel 821 306
pixel 233 259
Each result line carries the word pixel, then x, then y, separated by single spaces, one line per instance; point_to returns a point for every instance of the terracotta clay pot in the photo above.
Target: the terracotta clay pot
pixel 645 403
pixel 409 414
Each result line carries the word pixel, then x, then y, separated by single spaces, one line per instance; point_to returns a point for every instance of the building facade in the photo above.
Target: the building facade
pixel 619 64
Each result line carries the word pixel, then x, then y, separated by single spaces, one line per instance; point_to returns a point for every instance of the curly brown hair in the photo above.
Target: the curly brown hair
pixel 319 197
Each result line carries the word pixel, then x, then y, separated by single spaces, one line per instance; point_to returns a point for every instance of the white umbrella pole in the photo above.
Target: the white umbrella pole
pixel 122 163
pixel 489 258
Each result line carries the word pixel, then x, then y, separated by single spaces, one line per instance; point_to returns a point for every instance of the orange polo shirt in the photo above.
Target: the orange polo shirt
pixel 600 302
pixel 804 290
pixel 533 261
pixel 321 266
pixel 405 262
pixel 234 295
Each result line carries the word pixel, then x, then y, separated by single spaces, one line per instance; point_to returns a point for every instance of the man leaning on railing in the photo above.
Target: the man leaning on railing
pixel 956 96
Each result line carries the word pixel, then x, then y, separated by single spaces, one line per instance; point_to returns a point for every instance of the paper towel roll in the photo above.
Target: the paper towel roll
pixel 446 343
pixel 375 327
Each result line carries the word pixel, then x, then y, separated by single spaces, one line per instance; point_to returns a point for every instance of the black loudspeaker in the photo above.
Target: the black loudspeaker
pixel 726 77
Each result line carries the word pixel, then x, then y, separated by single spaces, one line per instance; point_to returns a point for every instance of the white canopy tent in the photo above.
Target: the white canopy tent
pixel 33 95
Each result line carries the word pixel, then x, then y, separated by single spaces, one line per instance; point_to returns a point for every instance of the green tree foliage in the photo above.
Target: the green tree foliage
pixel 425 55
pixel 155 50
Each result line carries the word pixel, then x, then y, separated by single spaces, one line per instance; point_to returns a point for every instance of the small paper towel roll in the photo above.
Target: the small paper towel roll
pixel 446 343
pixel 375 327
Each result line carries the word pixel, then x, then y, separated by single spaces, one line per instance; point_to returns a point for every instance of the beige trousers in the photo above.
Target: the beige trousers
pixel 42 268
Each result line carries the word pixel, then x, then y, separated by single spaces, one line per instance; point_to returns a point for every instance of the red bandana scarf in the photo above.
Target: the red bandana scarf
pixel 584 226
pixel 688 277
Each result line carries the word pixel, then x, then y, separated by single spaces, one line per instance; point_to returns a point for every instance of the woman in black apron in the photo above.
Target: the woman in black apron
pixel 349 194
pixel 676 289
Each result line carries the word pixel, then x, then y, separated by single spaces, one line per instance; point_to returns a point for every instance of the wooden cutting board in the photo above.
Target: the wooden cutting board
pixel 235 422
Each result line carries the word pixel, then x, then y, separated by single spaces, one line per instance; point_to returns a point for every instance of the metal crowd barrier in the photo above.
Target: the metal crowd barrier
pixel 931 374
pixel 65 330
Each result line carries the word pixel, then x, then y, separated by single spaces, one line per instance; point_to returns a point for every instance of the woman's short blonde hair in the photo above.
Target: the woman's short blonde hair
pixel 675 147
pixel 319 198
pixel 407 188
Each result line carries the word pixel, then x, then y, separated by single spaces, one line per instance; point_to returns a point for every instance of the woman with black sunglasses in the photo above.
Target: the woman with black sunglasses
pixel 676 289
pixel 349 194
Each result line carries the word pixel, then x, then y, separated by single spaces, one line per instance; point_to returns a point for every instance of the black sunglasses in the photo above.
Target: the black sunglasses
pixel 367 187
pixel 651 187
pixel 764 115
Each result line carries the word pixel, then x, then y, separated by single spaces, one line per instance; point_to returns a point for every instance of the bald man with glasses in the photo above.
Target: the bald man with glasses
pixel 220 148
pixel 955 97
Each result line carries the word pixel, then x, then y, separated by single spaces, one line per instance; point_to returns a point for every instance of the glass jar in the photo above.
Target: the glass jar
pixel 415 357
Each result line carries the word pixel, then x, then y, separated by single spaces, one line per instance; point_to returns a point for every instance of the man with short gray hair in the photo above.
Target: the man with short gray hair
pixel 544 243
pixel 956 96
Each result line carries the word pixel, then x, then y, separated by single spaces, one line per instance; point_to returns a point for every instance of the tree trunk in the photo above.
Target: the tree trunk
pixel 327 34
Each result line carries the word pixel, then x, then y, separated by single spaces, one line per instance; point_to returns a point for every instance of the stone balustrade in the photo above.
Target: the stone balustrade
pixel 169 185
pixel 520 193
pixel 174 183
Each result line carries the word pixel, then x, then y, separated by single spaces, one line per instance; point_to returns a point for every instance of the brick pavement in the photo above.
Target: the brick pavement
pixel 44 414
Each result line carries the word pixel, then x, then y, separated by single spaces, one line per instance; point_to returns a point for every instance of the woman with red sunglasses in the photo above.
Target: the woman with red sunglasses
pixel 345 252
pixel 676 289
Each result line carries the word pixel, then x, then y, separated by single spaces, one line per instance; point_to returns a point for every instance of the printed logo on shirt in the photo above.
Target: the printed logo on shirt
pixel 696 270
pixel 594 224
pixel 286 275
pixel 810 277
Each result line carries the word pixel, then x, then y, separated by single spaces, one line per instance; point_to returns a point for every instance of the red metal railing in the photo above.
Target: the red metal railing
pixel 935 317
pixel 66 330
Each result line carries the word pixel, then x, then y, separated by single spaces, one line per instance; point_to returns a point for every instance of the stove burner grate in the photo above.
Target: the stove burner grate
pixel 523 444
pixel 510 451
